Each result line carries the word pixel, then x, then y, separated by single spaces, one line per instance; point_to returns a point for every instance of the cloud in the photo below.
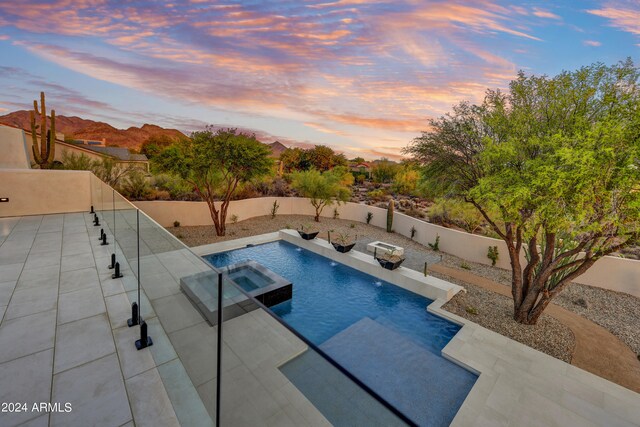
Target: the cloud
pixel 355 70
pixel 593 43
pixel 620 16
pixel 541 13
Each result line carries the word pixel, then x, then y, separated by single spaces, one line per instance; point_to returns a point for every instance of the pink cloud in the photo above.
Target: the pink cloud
pixel 621 16
pixel 542 13
pixel 593 43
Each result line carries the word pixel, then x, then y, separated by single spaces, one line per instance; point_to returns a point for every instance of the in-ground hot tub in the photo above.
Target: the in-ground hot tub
pixel 255 280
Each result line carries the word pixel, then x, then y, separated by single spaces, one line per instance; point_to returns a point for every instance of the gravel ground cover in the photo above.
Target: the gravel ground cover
pixel 495 312
pixel 617 312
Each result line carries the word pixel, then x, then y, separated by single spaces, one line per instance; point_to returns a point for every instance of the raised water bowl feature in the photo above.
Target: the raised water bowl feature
pixel 255 280
pixel 382 247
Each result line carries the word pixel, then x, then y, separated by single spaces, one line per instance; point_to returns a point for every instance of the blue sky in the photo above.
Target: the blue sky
pixel 361 76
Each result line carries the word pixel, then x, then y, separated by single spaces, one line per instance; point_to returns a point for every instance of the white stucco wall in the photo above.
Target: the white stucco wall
pixel 39 191
pixel 614 273
pixel 13 149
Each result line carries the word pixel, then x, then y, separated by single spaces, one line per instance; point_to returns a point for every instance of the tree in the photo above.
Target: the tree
pixel 553 166
pixel 323 189
pixel 294 159
pixel 405 181
pixel 216 164
pixel 154 145
pixel 320 157
pixel 384 170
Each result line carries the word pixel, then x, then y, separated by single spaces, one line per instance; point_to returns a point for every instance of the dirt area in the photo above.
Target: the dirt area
pixel 617 312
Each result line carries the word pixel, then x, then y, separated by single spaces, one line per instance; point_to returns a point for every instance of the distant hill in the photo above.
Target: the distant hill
pixel 88 129
pixel 276 149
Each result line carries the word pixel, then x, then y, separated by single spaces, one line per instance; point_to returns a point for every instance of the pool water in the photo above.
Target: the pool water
pixel 351 315
pixel 250 279
pixel 329 297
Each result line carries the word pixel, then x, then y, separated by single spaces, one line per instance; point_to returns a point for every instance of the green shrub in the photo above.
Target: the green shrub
pixel 492 254
pixel 369 217
pixel 455 212
pixel 435 245
pixel 176 224
pixel 378 194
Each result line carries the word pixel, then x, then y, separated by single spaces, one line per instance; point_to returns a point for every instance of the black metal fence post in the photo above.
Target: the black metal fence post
pixel 219 349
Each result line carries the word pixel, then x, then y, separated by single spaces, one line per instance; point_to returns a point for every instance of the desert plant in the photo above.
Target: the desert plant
pixel 234 218
pixel 216 163
pixel 464 265
pixel 413 232
pixel 43 152
pixel 176 223
pixel 336 214
pixel 471 310
pixel 274 209
pixel 136 187
pixel 322 189
pixel 390 216
pixel 550 158
pixel 376 194
pixel 369 217
pixel 492 254
pixel 344 238
pixel 352 225
pixel 435 245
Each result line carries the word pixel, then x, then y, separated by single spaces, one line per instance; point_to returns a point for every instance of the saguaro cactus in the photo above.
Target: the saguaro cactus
pixel 390 217
pixel 43 152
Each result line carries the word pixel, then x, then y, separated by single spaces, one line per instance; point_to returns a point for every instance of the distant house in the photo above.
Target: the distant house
pixel 93 143
pixel 362 167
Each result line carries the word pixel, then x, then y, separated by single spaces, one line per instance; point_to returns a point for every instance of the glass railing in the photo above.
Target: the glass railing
pixel 254 369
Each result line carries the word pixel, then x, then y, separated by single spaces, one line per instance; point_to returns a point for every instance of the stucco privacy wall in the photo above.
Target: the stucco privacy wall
pixel 618 274
pixel 13 149
pixel 41 192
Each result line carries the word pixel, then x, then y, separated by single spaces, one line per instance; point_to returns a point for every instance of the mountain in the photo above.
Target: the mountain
pixel 276 149
pixel 79 128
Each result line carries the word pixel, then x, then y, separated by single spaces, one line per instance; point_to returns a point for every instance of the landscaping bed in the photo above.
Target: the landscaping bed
pixel 495 312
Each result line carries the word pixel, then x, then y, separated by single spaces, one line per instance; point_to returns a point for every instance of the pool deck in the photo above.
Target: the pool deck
pixel 63 339
pixel 517 385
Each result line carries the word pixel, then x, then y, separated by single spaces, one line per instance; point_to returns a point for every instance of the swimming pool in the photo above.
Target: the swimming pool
pixel 351 315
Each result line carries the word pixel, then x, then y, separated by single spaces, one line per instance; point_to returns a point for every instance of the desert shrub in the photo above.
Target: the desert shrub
pixel 455 212
pixel 136 186
pixel 369 217
pixel 377 194
pixel 405 181
pixel 177 187
pixel 416 213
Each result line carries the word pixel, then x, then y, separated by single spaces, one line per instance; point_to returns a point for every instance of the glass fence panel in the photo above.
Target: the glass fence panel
pixel 267 372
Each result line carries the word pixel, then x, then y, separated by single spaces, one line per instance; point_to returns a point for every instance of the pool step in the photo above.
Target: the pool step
pixel 425 387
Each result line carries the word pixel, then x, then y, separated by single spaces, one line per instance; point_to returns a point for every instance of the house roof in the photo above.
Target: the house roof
pixel 119 153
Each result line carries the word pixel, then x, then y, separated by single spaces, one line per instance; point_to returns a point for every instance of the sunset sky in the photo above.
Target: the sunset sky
pixel 361 76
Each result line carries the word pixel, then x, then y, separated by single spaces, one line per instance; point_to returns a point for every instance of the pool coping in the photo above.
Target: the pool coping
pixel 514 380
